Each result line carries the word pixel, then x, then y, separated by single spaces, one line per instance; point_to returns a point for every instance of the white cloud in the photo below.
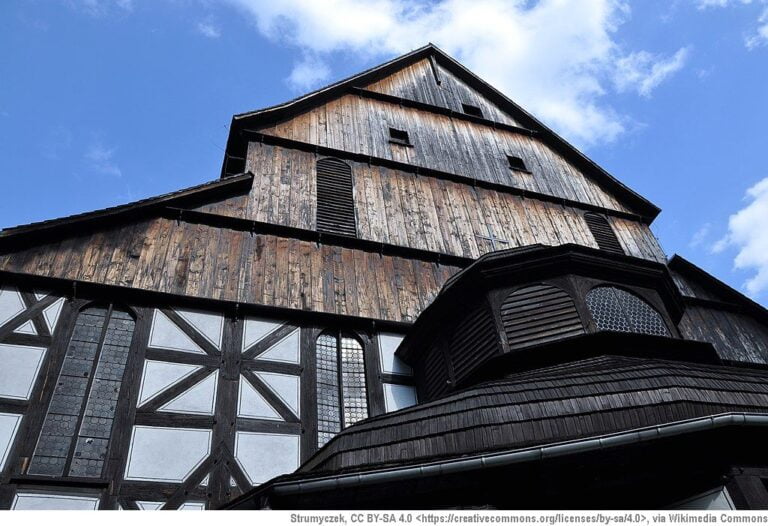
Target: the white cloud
pixel 308 73
pixel 643 72
pixel 700 236
pixel 208 29
pixel 759 36
pixel 748 234
pixel 557 58
pixel 100 160
pixel 100 7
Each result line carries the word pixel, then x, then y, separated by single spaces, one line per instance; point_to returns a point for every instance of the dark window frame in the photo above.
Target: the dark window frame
pixel 340 386
pixel 400 137
pixel 471 109
pixel 335 210
pixel 517 164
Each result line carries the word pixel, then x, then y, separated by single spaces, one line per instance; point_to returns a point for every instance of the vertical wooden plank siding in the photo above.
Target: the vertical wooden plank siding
pixel 404 209
pixel 417 82
pixel 208 262
pixel 446 144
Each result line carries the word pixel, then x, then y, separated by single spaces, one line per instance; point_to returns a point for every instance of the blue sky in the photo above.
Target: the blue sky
pixel 108 101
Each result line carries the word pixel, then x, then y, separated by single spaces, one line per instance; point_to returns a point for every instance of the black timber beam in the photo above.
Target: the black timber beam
pixel 439 110
pixel 325 238
pixel 135 297
pixel 260 137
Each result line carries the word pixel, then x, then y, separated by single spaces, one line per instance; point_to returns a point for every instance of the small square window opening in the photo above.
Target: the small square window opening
pixel 399 136
pixel 472 110
pixel 516 163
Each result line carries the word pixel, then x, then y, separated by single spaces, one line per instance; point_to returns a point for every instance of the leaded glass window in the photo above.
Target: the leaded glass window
pixel 614 309
pixel 341 392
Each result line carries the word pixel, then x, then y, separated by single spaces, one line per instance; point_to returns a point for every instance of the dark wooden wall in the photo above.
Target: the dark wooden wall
pixel 417 82
pixel 361 125
pixel 426 213
pixel 209 262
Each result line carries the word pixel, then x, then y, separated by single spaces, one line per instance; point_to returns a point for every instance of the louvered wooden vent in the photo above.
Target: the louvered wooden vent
pixel 538 314
pixel 603 233
pixel 335 201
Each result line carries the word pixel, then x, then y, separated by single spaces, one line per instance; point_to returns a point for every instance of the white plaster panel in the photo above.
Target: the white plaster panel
pixel 11 305
pixel 9 425
pixel 51 314
pixel 255 331
pixel 26 328
pixel 285 386
pixel 159 376
pixel 192 506
pixel 211 326
pixel 398 396
pixel 41 294
pixel 166 454
pixel 390 363
pixel 250 403
pixel 263 456
pixel 52 501
pixel 286 350
pixel 166 335
pixel 19 366
pixel 200 399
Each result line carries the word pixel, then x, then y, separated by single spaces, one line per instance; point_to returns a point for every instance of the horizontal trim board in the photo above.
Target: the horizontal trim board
pixel 260 137
pixel 325 238
pixel 137 297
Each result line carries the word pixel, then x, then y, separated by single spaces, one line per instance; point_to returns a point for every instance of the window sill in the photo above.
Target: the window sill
pixel 400 143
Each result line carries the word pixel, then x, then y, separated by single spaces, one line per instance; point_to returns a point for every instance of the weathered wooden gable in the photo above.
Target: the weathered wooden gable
pixel 425 213
pixel 361 125
pixel 430 82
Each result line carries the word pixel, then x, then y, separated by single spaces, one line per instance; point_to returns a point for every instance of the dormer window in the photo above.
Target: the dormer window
pixel 472 110
pixel 399 137
pixel 517 164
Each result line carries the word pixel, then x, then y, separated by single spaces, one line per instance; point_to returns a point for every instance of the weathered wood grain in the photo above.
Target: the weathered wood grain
pixel 417 82
pixel 404 209
pixel 203 261
pixel 361 125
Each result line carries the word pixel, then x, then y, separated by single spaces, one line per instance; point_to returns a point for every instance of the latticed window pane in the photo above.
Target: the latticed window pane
pixel 341 392
pixel 328 413
pixel 614 309
pixel 353 381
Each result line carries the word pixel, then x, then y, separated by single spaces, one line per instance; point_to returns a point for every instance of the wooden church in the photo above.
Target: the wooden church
pixel 403 291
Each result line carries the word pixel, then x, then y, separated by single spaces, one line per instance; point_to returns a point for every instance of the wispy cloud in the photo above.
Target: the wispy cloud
pixel 700 236
pixel 101 7
pixel 100 159
pixel 748 235
pixel 558 58
pixel 643 72
pixel 758 36
pixel 308 73
pixel 208 29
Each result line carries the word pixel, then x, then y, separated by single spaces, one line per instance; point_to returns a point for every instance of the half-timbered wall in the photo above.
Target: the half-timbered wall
pixel 419 82
pixel 361 125
pixel 420 212
pixel 182 409
pixel 209 262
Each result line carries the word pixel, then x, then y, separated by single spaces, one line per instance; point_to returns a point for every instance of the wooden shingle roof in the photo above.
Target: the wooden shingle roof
pixel 591 397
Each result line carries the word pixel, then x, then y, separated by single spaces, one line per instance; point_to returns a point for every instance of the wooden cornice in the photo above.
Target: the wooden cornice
pixel 260 137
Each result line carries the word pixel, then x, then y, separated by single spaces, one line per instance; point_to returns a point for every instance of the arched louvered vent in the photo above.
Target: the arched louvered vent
pixel 537 314
pixel 335 201
pixel 614 309
pixel 603 233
